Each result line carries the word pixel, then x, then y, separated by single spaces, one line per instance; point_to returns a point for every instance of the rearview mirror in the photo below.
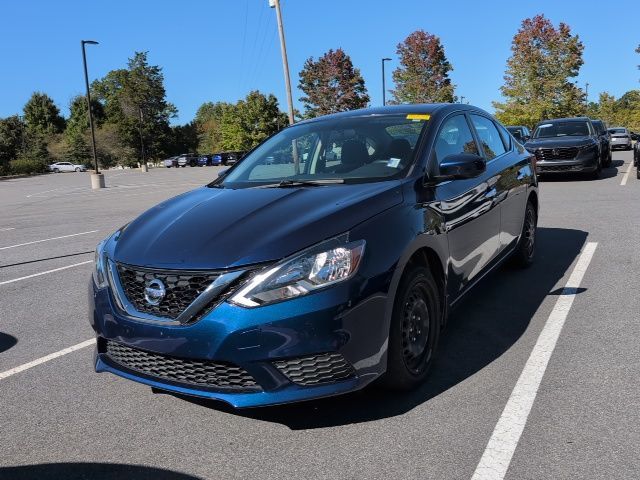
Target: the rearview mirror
pixel 462 165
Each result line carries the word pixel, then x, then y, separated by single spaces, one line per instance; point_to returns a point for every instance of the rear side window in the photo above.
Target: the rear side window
pixel 490 139
pixel 506 138
pixel 454 138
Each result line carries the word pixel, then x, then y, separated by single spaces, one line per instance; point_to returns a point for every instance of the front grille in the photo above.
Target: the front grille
pixel 563 153
pixel 317 369
pixel 223 376
pixel 558 168
pixel 182 288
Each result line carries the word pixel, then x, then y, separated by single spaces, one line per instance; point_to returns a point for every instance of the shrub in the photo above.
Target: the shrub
pixel 25 166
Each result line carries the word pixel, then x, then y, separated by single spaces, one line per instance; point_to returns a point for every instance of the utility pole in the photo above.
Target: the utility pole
pixel 97 179
pixel 461 98
pixel 586 94
pixel 285 62
pixel 384 89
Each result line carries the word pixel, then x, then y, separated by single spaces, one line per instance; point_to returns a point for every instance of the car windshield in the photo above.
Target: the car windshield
pixel 335 150
pixel 561 129
pixel 617 130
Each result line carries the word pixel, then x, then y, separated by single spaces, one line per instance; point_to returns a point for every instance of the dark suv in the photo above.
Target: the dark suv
pixel 520 133
pixel 605 141
pixel 325 270
pixel 565 145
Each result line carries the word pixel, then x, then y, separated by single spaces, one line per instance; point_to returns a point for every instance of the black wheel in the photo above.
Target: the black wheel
pixel 525 252
pixel 415 329
pixel 55 170
pixel 609 159
pixel 638 171
pixel 77 170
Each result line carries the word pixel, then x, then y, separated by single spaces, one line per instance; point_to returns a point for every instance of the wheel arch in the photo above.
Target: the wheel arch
pixel 433 255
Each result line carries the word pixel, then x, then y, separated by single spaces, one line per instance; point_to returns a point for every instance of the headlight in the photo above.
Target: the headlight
pixel 99 272
pixel 326 264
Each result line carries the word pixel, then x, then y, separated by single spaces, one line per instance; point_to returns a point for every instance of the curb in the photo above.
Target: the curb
pixel 24 175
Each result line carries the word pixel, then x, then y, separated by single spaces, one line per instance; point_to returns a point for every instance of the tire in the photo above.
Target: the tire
pixel 414 331
pixel 525 251
pixel 638 172
pixel 55 170
pixel 78 170
pixel 609 159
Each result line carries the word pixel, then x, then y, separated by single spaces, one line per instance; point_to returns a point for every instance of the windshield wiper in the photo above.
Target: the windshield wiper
pixel 302 183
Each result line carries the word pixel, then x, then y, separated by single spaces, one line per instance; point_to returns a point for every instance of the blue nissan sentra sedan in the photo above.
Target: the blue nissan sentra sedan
pixel 327 269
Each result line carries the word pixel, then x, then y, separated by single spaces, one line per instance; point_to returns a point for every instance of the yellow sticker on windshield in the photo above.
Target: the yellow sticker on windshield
pixel 418 116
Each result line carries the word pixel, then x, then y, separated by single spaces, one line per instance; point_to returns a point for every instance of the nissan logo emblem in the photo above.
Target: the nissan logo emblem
pixel 154 292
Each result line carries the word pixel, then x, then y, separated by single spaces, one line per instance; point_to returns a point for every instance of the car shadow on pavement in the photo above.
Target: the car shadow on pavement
pixel 93 471
pixel 487 322
pixel 607 172
pixel 7 341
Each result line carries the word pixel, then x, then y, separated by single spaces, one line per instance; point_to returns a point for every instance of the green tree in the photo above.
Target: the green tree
pixel 77 138
pixel 538 83
pixel 184 139
pixel 41 116
pixel 11 141
pixel 423 74
pixel 260 117
pixel 208 123
pixel 134 100
pixel 332 84
pixel 238 127
pixel 607 108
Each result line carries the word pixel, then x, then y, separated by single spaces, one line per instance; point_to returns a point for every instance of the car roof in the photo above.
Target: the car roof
pixel 418 108
pixel 569 119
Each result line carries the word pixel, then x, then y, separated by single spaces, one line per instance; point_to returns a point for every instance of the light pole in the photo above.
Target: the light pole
pixel 384 89
pixel 461 98
pixel 97 179
pixel 586 94
pixel 285 63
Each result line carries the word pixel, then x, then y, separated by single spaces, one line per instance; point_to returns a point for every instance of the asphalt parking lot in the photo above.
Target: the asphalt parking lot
pixel 58 418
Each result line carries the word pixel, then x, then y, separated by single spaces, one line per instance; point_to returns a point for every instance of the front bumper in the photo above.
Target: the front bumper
pixel 259 341
pixel 582 163
pixel 624 145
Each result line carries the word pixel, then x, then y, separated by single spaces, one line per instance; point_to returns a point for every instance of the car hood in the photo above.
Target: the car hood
pixel 559 142
pixel 211 228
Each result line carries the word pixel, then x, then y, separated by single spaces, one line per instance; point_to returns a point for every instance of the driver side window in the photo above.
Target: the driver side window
pixel 454 138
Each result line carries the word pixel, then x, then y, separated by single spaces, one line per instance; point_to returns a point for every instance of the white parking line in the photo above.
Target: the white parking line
pixel 506 435
pixel 626 175
pixel 46 358
pixel 6 229
pixel 6 282
pixel 48 239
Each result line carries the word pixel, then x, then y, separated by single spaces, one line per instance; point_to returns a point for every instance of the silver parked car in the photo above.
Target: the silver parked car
pixel 620 138
pixel 66 167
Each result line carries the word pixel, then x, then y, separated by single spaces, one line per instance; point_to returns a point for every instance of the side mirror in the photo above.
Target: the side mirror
pixel 462 165
pixel 222 173
pixel 526 138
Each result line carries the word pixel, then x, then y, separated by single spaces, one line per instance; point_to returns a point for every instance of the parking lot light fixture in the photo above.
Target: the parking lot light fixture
pixel 97 179
pixel 384 92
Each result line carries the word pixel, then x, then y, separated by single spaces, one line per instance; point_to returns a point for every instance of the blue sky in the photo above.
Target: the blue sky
pixel 221 49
